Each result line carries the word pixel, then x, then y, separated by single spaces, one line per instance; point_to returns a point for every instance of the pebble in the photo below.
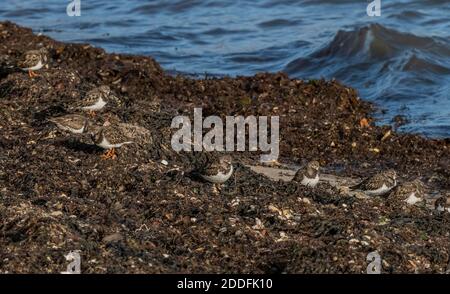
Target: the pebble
pixel 56 213
pixel 113 238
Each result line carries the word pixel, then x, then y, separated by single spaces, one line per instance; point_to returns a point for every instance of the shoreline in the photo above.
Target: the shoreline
pixel 134 215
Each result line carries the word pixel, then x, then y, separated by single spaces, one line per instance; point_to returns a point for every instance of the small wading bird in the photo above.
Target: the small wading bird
pixel 116 135
pixel 215 169
pixel 378 184
pixel 309 176
pixel 96 99
pixel 33 60
pixel 410 192
pixel 72 123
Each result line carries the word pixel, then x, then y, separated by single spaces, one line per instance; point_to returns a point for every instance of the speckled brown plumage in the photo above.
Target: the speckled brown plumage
pixel 31 58
pixel 411 192
pixel 122 133
pixel 216 165
pixel 94 96
pixel 311 171
pixel 72 122
pixel 375 182
pixel 212 166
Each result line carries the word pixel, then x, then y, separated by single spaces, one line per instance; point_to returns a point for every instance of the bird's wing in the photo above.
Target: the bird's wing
pixel 210 170
pixel 205 163
pixel 374 182
pixel 73 122
pixel 115 135
pixel 362 185
pixel 138 134
pixel 82 103
pixel 29 59
pixel 92 96
pixel 299 175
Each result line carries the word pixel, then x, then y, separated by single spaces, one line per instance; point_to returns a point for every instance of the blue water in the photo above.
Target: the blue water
pixel 400 60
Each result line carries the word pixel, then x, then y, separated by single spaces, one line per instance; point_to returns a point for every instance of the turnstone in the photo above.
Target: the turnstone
pixel 96 99
pixel 211 167
pixel 410 192
pixel 33 60
pixel 310 176
pixel 378 184
pixel 73 123
pixel 441 204
pixel 217 170
pixel 117 135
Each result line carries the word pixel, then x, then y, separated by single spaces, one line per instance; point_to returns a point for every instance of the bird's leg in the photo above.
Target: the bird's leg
pixel 216 189
pixel 32 74
pixel 110 154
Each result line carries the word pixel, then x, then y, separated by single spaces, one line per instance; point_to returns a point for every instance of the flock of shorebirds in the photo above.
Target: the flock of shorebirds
pixel 381 184
pixel 111 136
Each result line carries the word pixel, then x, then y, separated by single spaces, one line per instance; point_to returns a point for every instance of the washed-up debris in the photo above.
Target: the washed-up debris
pixel 137 214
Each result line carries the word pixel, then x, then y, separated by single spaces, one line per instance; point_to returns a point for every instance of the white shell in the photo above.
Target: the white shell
pixel 310 182
pixel 219 178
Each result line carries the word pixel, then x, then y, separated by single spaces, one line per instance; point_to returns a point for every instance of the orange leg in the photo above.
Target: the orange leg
pixel 32 74
pixel 110 154
pixel 92 114
pixel 216 188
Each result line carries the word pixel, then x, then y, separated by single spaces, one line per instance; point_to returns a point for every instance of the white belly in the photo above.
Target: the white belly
pixel 412 199
pixel 36 67
pixel 380 191
pixel 74 131
pixel 440 208
pixel 310 182
pixel 97 106
pixel 219 178
pixel 106 145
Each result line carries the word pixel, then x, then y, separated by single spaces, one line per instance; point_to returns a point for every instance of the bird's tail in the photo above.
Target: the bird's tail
pixel 356 187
